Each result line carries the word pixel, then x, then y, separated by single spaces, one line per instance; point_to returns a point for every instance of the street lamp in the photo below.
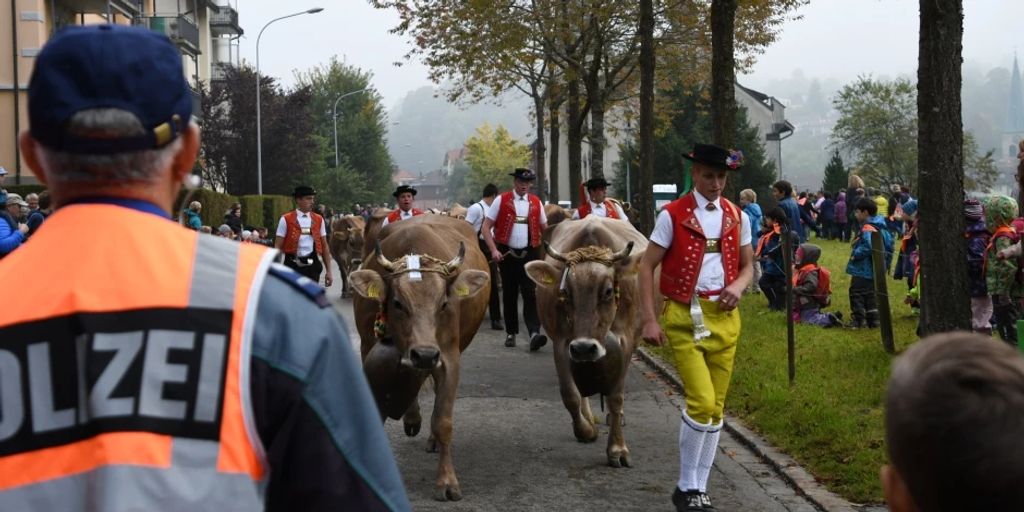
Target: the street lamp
pixel 259 131
pixel 334 115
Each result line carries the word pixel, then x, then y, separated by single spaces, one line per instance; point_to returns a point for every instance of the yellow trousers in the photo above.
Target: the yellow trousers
pixel 705 367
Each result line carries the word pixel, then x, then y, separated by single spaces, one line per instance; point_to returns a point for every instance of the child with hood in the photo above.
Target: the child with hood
pixel 977 236
pixel 748 201
pixel 863 309
pixel 841 221
pixel 1001 272
pixel 907 261
pixel 812 289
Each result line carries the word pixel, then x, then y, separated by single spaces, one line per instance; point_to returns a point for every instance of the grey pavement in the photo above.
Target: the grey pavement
pixel 514 450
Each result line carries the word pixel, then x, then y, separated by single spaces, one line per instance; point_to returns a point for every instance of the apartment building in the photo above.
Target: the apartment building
pixel 206 32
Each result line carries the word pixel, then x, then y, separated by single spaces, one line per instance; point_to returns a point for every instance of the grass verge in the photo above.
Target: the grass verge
pixel 831 418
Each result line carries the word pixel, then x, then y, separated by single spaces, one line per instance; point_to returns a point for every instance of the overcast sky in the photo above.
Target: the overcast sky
pixel 836 38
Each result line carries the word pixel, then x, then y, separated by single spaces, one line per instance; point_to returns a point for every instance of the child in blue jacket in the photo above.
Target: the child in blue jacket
pixel 863 309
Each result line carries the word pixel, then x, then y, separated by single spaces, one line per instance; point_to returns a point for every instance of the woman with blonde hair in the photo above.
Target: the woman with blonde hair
pixel 748 201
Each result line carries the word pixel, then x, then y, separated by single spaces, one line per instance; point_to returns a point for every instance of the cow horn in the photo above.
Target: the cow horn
pixel 383 260
pixel 623 253
pixel 457 260
pixel 553 253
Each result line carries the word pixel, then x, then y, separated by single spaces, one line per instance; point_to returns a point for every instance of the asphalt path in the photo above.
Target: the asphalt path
pixel 514 450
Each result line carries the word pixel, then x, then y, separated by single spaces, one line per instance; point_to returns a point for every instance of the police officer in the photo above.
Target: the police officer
pixel 161 369
pixel 302 237
pixel 517 219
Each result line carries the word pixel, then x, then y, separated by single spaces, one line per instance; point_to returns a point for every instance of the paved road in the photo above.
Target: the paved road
pixel 514 450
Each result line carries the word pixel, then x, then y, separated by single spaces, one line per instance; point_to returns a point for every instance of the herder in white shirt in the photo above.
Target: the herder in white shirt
pixel 405 195
pixel 302 236
pixel 518 219
pixel 598 202
pixel 475 216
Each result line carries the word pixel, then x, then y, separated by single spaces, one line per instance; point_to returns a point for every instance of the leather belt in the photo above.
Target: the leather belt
pixel 303 261
pixel 709 294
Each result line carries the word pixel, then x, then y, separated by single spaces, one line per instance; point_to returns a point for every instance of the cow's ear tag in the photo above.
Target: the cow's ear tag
pixel 462 290
pixel 547 279
pixel 373 291
pixel 412 262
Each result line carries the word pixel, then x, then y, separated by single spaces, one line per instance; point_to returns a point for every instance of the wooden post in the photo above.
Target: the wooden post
pixel 787 262
pixel 881 291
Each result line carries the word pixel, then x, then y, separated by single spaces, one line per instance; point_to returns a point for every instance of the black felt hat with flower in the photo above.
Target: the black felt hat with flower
pixel 716 156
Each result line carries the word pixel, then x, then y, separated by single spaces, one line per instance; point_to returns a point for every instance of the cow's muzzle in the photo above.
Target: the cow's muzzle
pixel 424 358
pixel 586 350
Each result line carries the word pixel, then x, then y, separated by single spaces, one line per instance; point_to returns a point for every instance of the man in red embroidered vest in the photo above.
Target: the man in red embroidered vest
pixel 302 236
pixel 702 242
pixel 517 219
pixel 405 196
pixel 597 203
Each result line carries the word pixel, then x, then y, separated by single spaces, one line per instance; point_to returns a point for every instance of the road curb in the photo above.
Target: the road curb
pixel 784 465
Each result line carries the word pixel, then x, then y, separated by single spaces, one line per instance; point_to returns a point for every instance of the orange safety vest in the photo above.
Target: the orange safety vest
pixel 126 379
pixel 680 267
pixel 291 236
pixel 609 208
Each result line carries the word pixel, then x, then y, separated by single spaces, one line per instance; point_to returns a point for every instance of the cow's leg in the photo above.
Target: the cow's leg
pixel 343 269
pixel 578 407
pixel 412 419
pixel 618 453
pixel 446 384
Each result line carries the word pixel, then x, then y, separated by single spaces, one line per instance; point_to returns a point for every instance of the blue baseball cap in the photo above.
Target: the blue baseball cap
pixel 108 66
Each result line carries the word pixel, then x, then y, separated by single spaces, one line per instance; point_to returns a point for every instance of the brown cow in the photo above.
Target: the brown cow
pixel 588 301
pixel 556 214
pixel 372 229
pixel 347 247
pixel 417 323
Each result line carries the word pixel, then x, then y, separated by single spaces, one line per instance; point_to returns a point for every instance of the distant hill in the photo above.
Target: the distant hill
pixel 428 126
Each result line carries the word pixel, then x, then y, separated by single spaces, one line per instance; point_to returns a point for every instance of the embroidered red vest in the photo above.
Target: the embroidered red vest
pixel 609 207
pixel 682 262
pixel 396 215
pixel 507 219
pixel 291 238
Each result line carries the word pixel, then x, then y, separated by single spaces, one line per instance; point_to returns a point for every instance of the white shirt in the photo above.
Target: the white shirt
pixel 305 241
pixel 599 210
pixel 402 215
pixel 712 274
pixel 476 214
pixel 520 237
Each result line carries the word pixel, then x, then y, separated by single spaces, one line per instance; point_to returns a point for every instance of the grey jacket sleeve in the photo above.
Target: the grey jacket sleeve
pixel 314 413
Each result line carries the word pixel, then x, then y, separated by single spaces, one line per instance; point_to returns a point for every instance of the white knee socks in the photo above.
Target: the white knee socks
pixel 707 456
pixel 692 438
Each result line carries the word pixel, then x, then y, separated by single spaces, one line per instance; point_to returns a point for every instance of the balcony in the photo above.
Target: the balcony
pixel 225 22
pixel 219 71
pixel 197 104
pixel 178 28
pixel 129 8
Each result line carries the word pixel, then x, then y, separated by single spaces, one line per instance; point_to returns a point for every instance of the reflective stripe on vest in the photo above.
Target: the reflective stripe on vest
pixel 129 388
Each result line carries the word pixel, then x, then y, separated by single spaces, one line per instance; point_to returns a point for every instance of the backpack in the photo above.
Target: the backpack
pixel 824 292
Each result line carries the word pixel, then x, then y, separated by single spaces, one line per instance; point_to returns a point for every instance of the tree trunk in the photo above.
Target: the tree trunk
pixel 575 138
pixel 538 149
pixel 945 304
pixel 723 73
pixel 597 140
pixel 645 174
pixel 553 155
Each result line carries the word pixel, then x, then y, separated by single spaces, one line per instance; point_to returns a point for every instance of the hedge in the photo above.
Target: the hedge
pixel 252 211
pixel 273 208
pixel 257 211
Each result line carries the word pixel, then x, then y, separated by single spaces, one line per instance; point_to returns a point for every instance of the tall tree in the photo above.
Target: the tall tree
pixel 491 154
pixel 878 125
pixel 645 197
pixel 944 298
pixel 363 170
pixel 836 175
pixel 723 72
pixel 980 172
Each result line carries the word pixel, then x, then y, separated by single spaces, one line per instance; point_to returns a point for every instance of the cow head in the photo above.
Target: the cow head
pixel 419 299
pixel 355 244
pixel 586 281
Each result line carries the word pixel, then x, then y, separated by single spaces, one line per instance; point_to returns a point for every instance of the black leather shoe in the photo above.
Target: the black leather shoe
pixel 705 501
pixel 688 501
pixel 497 325
pixel 510 340
pixel 537 340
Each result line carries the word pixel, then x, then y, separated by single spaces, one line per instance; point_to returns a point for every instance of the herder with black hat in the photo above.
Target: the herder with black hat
pixel 597 202
pixel 302 235
pixel 702 242
pixel 517 218
pixel 406 196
